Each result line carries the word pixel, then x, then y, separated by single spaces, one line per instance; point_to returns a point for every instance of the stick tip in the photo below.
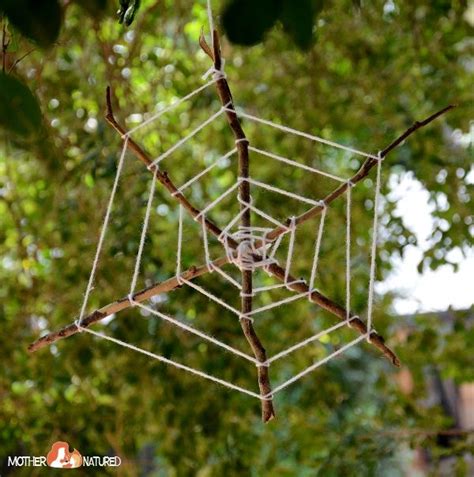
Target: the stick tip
pixel 268 416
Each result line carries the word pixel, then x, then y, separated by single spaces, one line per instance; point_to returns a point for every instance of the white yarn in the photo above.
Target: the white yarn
pixel 206 245
pixel 103 231
pixel 295 164
pixel 172 106
pixel 317 247
pixel 215 298
pixel 348 249
pixel 373 248
pixel 262 214
pixel 195 178
pixel 180 245
pixel 173 363
pixel 227 277
pixel 143 236
pixel 231 189
pixel 278 303
pixel 197 332
pixel 306 135
pixel 311 368
pixel 276 286
pixel 305 342
pixel 291 245
pixel 279 191
pixel 215 73
pixel 173 148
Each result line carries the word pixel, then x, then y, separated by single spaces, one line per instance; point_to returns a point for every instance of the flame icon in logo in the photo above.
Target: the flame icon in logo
pixel 60 457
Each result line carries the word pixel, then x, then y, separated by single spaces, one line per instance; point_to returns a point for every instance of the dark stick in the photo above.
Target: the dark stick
pixel 122 304
pixel 161 176
pixel 225 96
pixel 337 310
pixel 358 176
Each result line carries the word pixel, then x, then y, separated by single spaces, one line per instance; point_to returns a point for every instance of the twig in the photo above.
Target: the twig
pixel 225 96
pixel 357 177
pixel 122 304
pixel 194 272
pixel 19 60
pixel 337 310
pixel 161 176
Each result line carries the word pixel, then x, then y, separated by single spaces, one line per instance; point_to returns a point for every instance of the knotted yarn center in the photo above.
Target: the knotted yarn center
pixel 249 254
pixel 244 257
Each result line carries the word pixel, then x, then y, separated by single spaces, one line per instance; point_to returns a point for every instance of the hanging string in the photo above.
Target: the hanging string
pixel 348 249
pixel 210 19
pixel 306 135
pixel 180 241
pixel 173 363
pixel 317 247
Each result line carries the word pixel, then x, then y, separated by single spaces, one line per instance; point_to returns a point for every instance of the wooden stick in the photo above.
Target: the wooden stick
pixel 337 310
pixel 161 176
pixel 122 304
pixel 362 173
pixel 225 96
pixel 194 272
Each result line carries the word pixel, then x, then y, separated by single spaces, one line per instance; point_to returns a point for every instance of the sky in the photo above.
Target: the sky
pixel 432 290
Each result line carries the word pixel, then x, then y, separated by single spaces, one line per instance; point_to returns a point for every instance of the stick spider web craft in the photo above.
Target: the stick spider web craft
pixel 251 249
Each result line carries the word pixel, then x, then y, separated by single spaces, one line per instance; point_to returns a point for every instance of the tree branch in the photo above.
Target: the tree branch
pixel 362 173
pixel 225 96
pixel 161 176
pixel 337 310
pixel 122 304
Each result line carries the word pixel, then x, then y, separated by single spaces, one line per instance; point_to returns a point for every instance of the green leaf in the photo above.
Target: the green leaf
pixel 298 20
pixel 246 21
pixel 40 21
pixel 95 8
pixel 19 109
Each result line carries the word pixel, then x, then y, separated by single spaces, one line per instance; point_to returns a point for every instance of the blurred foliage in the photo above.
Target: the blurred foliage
pixel 375 68
pixel 38 21
pixel 246 22
pixel 19 109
